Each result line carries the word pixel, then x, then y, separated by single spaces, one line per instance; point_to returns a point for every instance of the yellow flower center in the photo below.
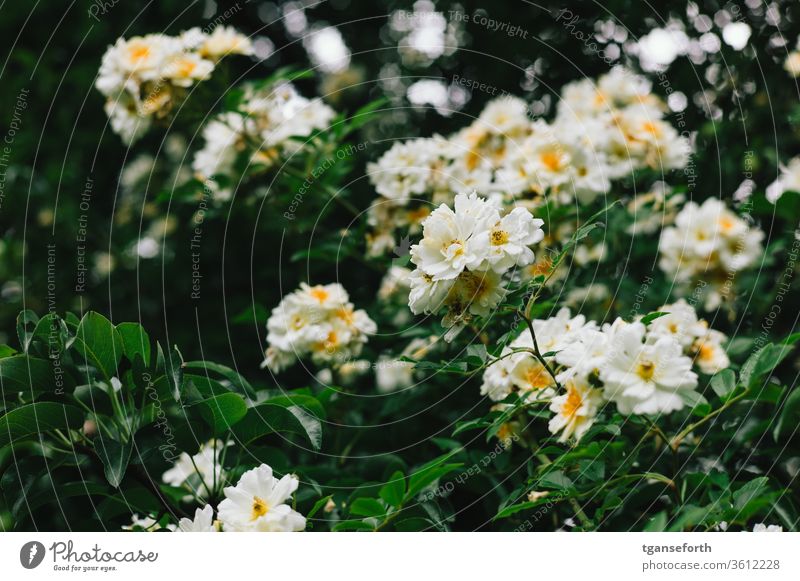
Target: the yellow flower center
pixel 498 237
pixel 186 68
pixel 652 128
pixel 259 509
pixel 415 216
pixel 345 314
pixel 551 160
pixel 706 352
pixel 646 370
pixel 139 52
pixel 320 294
pixel 458 251
pixel 573 403
pixel 537 377
pixel 726 223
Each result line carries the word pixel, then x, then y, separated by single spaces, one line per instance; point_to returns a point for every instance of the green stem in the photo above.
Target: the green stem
pixel 537 353
pixel 676 441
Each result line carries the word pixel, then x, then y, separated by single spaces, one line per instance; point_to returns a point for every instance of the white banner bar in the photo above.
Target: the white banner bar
pixel 355 556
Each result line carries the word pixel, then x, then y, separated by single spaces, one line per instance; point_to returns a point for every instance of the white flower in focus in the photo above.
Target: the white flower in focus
pixel 258 503
pixel 427 295
pixel 646 378
pixel 575 410
pixel 447 247
pixel 507 243
pixel 530 377
pixel 203 522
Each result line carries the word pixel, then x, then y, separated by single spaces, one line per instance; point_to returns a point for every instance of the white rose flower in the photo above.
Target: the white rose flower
pixel 575 410
pixel 646 379
pixel 258 503
pixel 203 522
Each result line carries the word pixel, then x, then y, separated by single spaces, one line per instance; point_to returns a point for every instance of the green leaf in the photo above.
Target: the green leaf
pixel 238 381
pixel 477 352
pixel 723 383
pixel 115 457
pixel 650 317
pixel 474 424
pixel 770 357
pixel 26 324
pixel 305 401
pixel 268 418
pixel 223 411
pixel 365 506
pixel 748 492
pixel 556 479
pixel 429 474
pixel 520 506
pixel 99 343
pixel 135 340
pixel 394 491
pixel 789 415
pixel 318 506
pixel 21 373
pixel 656 523
pixel 763 362
pixel 6 351
pixel 698 403
pixel 36 418
pixel 353 525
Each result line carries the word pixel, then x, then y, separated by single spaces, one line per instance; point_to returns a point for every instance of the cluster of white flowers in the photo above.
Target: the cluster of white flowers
pixel 622 122
pixel 642 369
pixel 256 504
pixel 199 473
pixel 788 180
pixel 264 128
pixel 464 254
pixel 708 243
pixel 145 77
pixel 317 320
pixel 602 132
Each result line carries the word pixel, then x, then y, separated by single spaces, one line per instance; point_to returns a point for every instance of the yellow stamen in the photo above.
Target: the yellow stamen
pixel 259 509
